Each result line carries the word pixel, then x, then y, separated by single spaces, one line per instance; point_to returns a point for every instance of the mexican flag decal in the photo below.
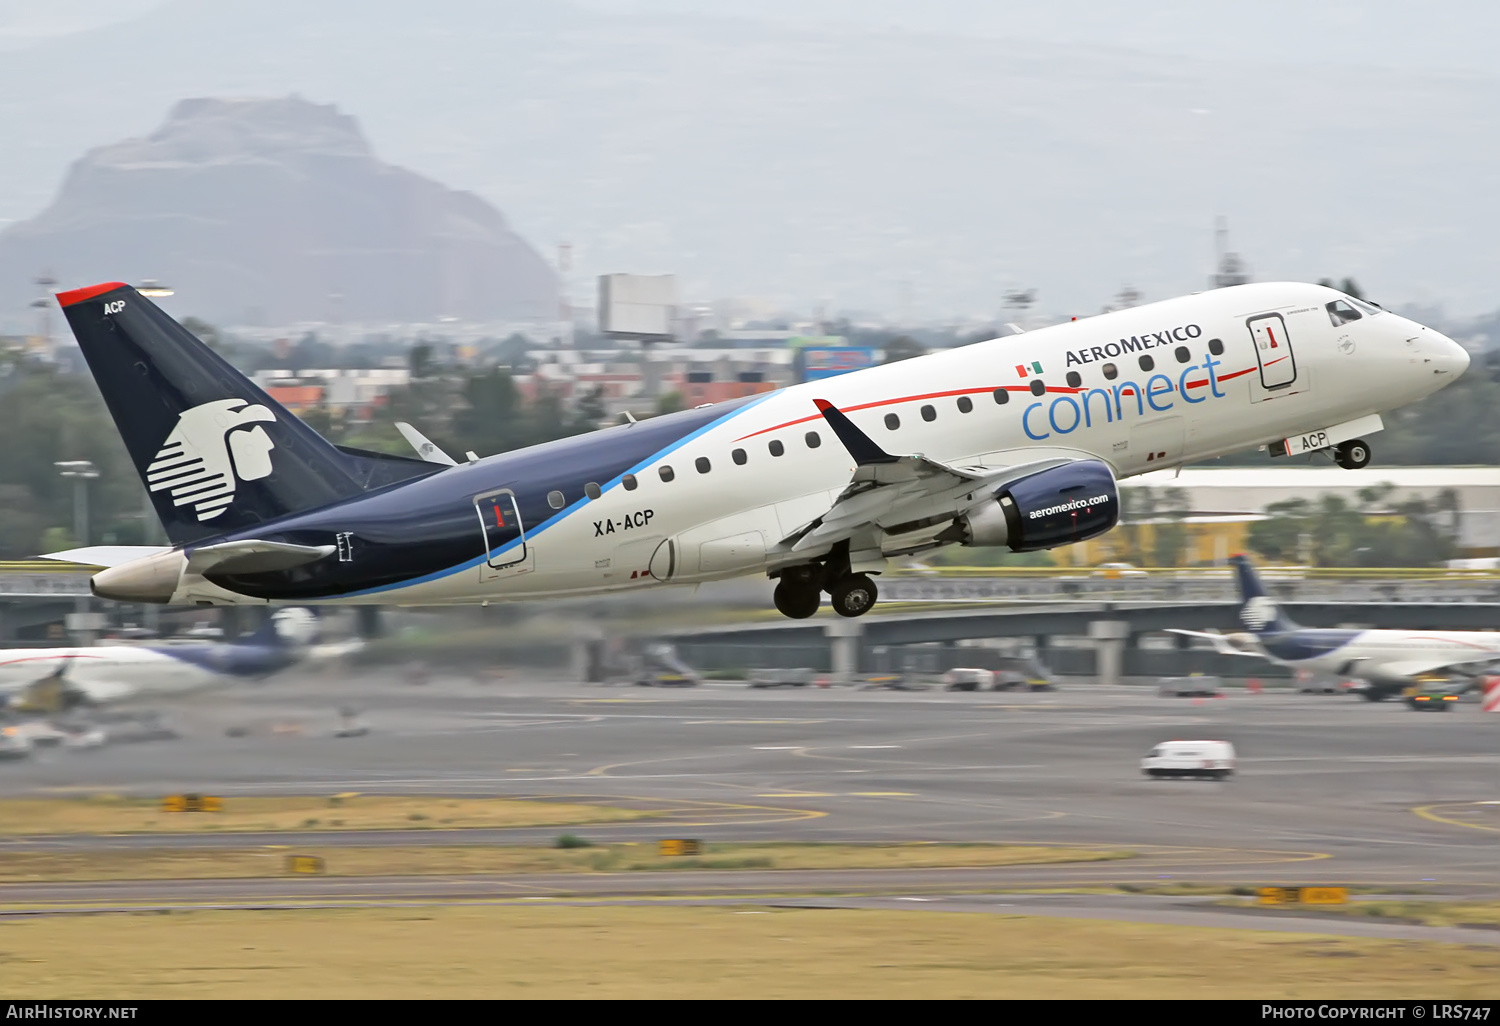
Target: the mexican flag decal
pixel 1022 370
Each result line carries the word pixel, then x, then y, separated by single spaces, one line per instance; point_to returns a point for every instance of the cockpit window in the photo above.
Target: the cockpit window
pixel 1370 309
pixel 1340 312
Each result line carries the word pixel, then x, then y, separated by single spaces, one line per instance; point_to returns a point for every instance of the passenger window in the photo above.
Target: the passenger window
pixel 555 500
pixel 1216 346
pixel 666 472
pixel 776 447
pixel 1182 354
pixel 1340 312
pixel 592 490
pixel 739 457
pixel 1037 388
pixel 1147 363
pixel 929 414
pixel 892 421
pixel 703 465
pixel 1074 379
pixel 1110 372
pixel 1001 397
pixel 965 404
pixel 813 441
pixel 629 482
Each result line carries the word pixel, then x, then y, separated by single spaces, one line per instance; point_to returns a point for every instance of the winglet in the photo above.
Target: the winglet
pixel 860 445
pixel 425 449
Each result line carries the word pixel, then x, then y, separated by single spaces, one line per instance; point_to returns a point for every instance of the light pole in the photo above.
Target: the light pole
pixel 82 472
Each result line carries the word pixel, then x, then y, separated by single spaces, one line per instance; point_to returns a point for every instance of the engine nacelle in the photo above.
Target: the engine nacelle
pixel 1054 507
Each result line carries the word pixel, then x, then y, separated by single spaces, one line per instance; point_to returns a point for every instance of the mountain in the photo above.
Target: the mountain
pixel 277 211
pixel 855 164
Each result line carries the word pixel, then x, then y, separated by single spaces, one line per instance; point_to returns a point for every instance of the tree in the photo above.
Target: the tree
pixel 1171 534
pixel 902 347
pixel 419 359
pixel 670 403
pixel 1348 288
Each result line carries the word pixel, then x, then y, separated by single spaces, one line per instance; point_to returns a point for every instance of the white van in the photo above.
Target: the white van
pixel 1211 759
pixel 969 679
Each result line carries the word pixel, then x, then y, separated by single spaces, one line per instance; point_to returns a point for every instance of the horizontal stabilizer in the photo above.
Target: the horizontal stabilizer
pixel 253 556
pixel 106 555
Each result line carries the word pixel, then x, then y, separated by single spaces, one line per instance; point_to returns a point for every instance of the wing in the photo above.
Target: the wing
pixel 1222 644
pixel 897 494
pixel 425 448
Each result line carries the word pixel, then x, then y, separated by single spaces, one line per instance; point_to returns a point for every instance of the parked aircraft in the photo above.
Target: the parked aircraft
pixel 52 680
pixel 1387 661
pixel 1015 442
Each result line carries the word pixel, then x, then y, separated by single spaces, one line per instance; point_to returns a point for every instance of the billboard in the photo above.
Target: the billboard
pixel 637 305
pixel 830 361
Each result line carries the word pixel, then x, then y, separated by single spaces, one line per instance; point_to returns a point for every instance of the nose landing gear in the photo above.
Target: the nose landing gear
pixel 1352 455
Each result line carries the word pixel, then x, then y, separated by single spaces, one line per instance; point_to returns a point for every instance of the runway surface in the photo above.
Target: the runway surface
pixel 1330 789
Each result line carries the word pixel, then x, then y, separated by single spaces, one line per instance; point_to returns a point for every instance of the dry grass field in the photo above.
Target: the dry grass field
pixel 203 864
pixel 721 952
pixel 112 814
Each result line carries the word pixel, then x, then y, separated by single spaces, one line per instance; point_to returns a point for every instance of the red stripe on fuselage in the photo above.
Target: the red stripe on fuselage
pixel 1060 389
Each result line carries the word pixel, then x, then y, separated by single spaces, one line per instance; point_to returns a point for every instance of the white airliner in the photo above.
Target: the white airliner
pixel 1386 660
pixel 50 680
pixel 1015 442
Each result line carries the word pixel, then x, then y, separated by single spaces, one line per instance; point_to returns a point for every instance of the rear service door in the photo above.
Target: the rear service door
pixel 1273 351
pixel 505 548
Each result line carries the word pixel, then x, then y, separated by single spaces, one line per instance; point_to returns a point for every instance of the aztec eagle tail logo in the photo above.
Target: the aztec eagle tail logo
pixel 212 448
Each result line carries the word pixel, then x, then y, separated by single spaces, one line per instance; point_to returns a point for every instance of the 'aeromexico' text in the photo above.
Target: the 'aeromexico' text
pixel 1097 500
pixel 1134 344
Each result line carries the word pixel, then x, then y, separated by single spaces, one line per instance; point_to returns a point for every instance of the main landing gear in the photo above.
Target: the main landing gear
pixel 799 592
pixel 1352 455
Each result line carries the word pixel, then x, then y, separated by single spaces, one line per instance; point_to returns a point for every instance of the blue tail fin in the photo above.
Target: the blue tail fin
pixel 1258 611
pixel 286 628
pixel 216 453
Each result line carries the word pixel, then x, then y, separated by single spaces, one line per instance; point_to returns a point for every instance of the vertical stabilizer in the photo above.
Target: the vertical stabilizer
pixel 1258 611
pixel 217 454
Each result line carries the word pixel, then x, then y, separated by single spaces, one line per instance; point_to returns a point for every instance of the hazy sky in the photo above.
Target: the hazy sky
pixel 869 155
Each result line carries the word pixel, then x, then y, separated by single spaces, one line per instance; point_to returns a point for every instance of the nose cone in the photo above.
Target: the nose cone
pixel 1452 359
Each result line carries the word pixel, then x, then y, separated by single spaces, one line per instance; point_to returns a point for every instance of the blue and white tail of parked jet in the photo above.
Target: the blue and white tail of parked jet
pixel 1016 442
pixel 1386 661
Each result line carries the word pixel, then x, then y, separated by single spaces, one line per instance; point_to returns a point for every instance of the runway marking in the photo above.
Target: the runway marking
pixel 701 723
pixel 1425 811
pixel 799 794
pixel 882 794
pixel 621 701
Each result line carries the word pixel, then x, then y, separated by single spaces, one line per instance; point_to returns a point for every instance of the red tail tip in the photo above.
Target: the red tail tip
pixel 823 405
pixel 67 299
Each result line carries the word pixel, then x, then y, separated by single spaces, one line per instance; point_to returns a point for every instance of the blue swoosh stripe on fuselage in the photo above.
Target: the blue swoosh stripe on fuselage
pixel 229 660
pixel 434 518
pixel 1307 643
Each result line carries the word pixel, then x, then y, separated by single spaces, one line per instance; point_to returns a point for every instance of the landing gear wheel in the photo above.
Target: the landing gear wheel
pixel 1352 455
pixel 853 596
pixel 796 601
